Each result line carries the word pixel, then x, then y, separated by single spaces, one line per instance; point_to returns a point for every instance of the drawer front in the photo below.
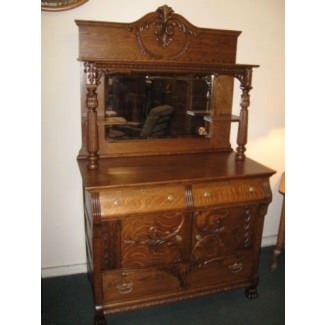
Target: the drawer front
pixel 153 240
pixel 221 231
pixel 222 271
pixel 137 200
pixel 124 286
pixel 227 192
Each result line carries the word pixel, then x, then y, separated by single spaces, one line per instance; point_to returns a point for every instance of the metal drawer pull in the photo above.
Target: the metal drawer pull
pixel 179 238
pixel 198 237
pixel 236 267
pixel 207 194
pixel 252 189
pixel 170 197
pixel 124 287
pixel 116 202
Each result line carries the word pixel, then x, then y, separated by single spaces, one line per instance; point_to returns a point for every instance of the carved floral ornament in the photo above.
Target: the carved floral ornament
pixel 164 26
pixel 93 73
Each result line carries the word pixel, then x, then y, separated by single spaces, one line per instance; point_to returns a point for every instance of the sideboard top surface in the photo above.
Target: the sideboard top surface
pixel 182 168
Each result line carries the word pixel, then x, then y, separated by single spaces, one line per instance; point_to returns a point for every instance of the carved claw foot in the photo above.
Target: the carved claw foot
pixel 251 293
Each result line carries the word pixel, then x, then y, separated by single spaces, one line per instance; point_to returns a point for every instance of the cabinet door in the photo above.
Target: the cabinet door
pixel 222 246
pixel 220 232
pixel 146 240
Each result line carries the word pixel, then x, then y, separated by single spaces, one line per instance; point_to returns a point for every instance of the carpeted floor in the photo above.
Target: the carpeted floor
pixel 68 300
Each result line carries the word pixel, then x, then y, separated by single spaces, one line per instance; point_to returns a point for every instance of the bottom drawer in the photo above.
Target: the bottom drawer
pixel 120 286
pixel 219 271
pixel 127 286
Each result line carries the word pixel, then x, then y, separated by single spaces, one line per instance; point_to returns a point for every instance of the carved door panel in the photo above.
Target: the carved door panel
pixel 220 232
pixel 153 240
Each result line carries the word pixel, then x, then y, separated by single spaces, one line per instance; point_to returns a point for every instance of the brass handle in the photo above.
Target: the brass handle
pixel 124 287
pixel 207 194
pixel 116 202
pixel 252 189
pixel 170 197
pixel 179 238
pixel 235 267
pixel 202 131
pixel 198 237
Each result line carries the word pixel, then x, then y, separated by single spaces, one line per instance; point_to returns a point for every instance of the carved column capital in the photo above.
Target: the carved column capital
pixel 93 73
pixel 245 78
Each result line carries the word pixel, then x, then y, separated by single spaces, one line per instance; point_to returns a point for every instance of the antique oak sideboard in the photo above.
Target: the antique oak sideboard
pixel 171 210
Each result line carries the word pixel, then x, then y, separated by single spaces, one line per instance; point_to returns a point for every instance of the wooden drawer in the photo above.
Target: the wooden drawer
pixel 137 200
pixel 153 240
pixel 208 194
pixel 222 271
pixel 222 231
pixel 127 285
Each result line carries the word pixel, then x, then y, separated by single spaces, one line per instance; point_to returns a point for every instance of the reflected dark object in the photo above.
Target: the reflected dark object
pixel 156 106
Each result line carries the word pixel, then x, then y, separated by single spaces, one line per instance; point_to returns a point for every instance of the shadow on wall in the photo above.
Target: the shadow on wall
pixel 269 150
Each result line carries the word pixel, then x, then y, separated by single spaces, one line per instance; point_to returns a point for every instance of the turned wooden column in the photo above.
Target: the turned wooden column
pixel 245 86
pixel 93 77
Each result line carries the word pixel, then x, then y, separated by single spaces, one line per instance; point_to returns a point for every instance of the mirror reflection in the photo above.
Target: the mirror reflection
pixel 142 106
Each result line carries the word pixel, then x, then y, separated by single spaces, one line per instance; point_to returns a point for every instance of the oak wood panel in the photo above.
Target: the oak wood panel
pixel 208 194
pixel 126 285
pixel 141 199
pixel 222 271
pixel 183 168
pixel 220 232
pixel 153 240
pixel 174 296
pixel 110 41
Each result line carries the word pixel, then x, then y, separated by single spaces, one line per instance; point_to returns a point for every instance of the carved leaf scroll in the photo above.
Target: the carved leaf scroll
pixel 156 238
pixel 152 241
pixel 164 24
pixel 93 73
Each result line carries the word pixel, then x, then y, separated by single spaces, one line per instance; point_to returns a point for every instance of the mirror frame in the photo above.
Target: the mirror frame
pixel 217 141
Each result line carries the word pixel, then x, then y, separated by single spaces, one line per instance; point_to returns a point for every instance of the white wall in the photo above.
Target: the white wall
pixel 262 42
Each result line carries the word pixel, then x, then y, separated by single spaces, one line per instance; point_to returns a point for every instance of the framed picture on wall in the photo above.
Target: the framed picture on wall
pixel 60 5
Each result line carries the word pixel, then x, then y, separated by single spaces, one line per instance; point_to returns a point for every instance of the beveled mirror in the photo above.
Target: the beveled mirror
pixel 157 105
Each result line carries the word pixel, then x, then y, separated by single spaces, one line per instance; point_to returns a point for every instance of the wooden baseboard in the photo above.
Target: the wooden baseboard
pixel 48 272
pixel 269 241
